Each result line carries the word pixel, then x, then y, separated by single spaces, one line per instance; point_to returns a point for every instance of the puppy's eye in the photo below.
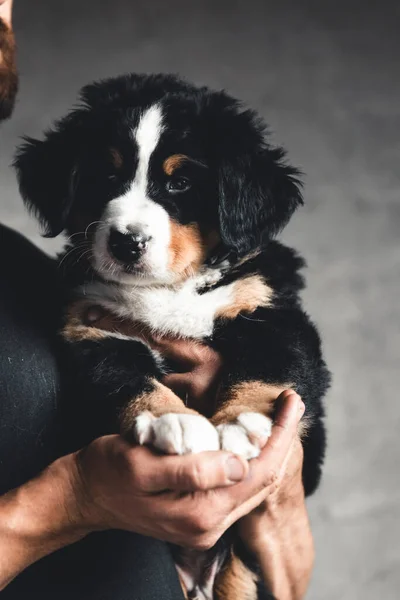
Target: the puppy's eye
pixel 177 185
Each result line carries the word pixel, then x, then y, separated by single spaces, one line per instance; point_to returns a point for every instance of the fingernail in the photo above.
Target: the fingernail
pixel 294 394
pixel 234 469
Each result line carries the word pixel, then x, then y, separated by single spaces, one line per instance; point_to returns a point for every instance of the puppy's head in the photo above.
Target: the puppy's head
pixel 158 177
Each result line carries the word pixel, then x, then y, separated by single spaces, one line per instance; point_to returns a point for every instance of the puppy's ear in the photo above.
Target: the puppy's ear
pixel 258 191
pixel 46 173
pixel 258 194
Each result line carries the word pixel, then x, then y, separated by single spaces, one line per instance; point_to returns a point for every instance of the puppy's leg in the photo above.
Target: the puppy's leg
pixel 236 582
pixel 243 417
pixel 158 417
pixel 127 371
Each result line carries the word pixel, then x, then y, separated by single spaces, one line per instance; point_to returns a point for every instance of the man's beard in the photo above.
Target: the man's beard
pixel 8 71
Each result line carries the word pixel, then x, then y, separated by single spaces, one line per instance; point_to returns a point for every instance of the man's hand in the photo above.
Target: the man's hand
pixel 189 500
pixel 197 366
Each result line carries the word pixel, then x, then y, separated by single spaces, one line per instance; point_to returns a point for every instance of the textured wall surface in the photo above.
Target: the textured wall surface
pixel 326 77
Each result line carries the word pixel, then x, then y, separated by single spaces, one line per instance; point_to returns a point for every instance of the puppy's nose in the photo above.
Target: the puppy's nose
pixel 127 247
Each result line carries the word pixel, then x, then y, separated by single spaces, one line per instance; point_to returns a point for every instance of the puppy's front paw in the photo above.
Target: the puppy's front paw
pixel 247 435
pixel 175 433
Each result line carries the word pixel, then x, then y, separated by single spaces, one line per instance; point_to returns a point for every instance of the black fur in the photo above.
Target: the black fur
pixel 279 344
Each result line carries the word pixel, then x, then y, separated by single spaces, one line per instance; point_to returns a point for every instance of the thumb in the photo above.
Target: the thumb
pixel 193 472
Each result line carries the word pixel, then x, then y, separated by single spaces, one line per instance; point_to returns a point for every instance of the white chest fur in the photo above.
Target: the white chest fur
pixel 180 311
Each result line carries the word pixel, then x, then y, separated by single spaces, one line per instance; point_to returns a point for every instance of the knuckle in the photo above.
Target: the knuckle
pixel 270 479
pixel 268 482
pixel 140 479
pixel 199 476
pixel 130 463
pixel 273 488
pixel 132 470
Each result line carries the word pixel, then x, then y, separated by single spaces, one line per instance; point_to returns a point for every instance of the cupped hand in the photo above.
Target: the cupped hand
pixel 188 500
pixel 287 496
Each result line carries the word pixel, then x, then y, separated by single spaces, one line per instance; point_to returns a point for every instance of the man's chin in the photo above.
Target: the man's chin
pixel 8 71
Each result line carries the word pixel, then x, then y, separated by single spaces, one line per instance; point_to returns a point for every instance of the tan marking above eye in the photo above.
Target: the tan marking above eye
pixel 116 158
pixel 174 162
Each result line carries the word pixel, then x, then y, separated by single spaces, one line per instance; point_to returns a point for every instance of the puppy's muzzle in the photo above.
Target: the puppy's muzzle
pixel 128 247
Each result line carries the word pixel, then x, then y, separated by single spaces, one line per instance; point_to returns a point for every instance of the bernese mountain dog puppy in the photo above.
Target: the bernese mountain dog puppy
pixel 171 196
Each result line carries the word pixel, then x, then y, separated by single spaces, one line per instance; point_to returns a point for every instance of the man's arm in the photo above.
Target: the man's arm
pixel 278 531
pixel 286 554
pixel 111 485
pixel 38 518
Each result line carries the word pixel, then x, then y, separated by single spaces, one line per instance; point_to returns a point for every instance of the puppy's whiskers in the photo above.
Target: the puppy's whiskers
pixel 78 251
pixel 90 225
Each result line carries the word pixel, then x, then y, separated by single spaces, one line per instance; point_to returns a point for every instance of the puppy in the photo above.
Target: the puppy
pixel 171 196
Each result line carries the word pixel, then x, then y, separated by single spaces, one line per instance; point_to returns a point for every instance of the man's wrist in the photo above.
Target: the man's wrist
pixel 38 518
pixel 285 552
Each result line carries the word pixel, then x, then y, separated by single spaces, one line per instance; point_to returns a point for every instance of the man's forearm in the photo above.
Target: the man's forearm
pixel 37 519
pixel 286 555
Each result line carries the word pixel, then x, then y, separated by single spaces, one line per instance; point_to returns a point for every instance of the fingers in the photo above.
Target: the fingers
pixel 192 472
pixel 189 353
pixel 179 383
pixel 210 470
pixel 264 471
pixel 283 433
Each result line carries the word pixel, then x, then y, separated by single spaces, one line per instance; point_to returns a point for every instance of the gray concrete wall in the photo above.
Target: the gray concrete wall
pixel 326 76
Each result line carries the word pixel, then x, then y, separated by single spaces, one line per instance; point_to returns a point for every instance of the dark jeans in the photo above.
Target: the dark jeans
pixel 113 565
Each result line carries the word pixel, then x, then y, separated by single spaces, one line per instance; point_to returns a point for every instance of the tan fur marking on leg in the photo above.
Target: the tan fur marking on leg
pixel 249 396
pixel 249 294
pixel 187 248
pixel 173 162
pixel 236 582
pixel 159 401
pixel 75 330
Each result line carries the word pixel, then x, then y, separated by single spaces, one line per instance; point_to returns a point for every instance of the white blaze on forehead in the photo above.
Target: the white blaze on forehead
pixel 135 211
pixel 147 136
